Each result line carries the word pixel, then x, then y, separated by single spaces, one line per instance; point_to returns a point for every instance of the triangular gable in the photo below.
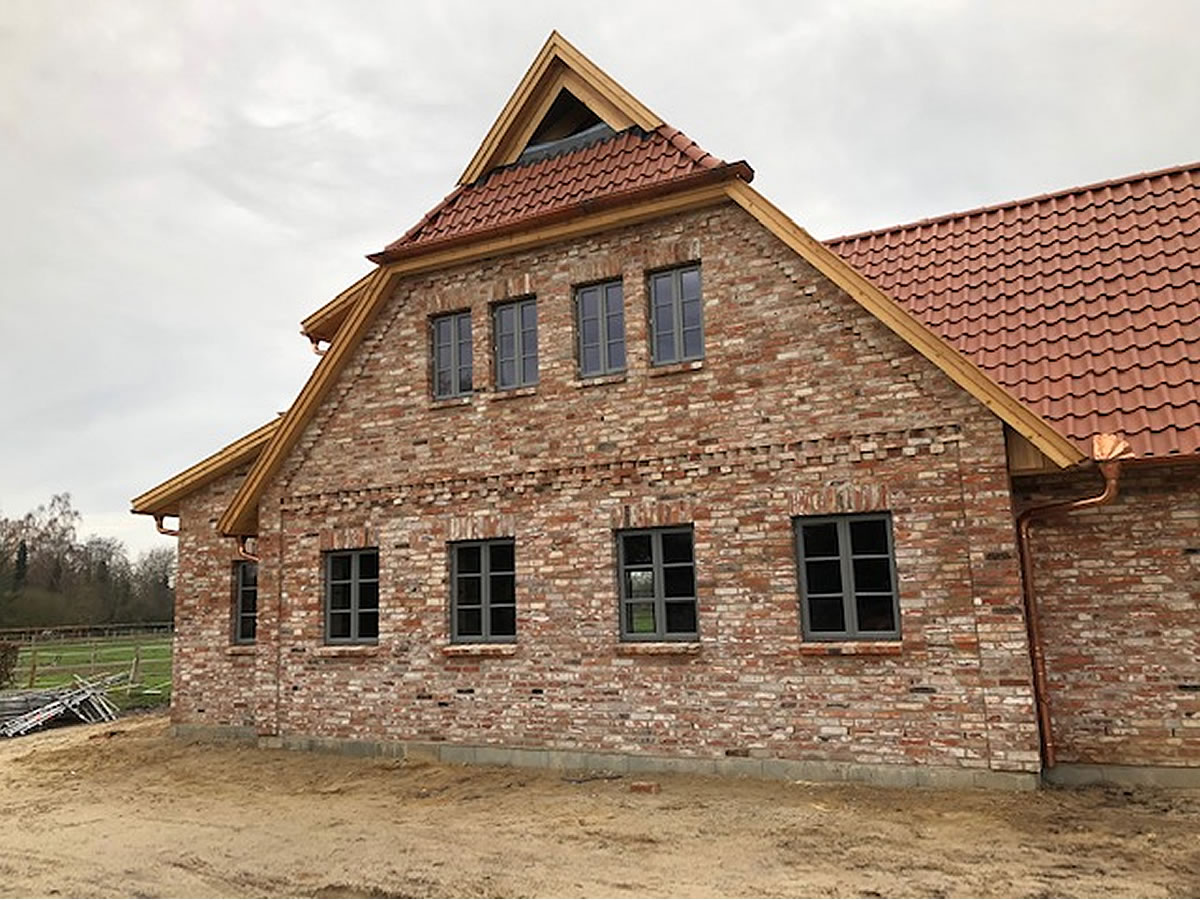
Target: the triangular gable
pixel 558 66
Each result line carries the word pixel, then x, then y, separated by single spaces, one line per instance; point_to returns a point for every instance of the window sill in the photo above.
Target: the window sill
pixel 450 402
pixel 597 380
pixel 658 648
pixel 479 650
pixel 851 648
pixel 240 650
pixel 513 393
pixel 333 651
pixel 691 365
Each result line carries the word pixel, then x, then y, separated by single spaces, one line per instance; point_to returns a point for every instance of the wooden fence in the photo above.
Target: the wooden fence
pixel 52 658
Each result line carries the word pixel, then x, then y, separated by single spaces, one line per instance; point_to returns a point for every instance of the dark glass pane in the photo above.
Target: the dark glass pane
pixel 504 621
pixel 442 333
pixel 639 618
pixel 637 549
pixel 826 614
pixel 868 536
pixel 250 601
pixel 249 574
pixel 589 363
pixel 529 316
pixel 873 575
pixel 824 577
pixel 677 546
pixel 691 314
pixel 470 622
pixel 614 301
pixel 589 303
pixel 463 321
pixel 693 343
pixel 875 613
pixel 501 557
pixel 689 282
pixel 664 348
pixel 639 583
pixel 681 618
pixel 508 345
pixel 247 625
pixel 616 354
pixel 368 624
pixel 506 320
pixel 444 386
pixel 470 590
pixel 504 588
pixel 469 558
pixel 464 379
pixel 529 368
pixel 508 373
pixel 368 565
pixel 368 595
pixel 339 567
pixel 679 581
pixel 660 290
pixel 339 625
pixel 339 596
pixel 590 331
pixel 821 540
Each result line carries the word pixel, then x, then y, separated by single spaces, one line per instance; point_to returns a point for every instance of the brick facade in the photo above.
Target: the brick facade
pixel 1119 589
pixel 804 404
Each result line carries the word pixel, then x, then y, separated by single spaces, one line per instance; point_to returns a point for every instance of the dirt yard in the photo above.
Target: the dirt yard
pixel 126 810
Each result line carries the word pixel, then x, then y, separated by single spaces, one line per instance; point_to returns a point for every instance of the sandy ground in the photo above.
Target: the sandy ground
pixel 123 809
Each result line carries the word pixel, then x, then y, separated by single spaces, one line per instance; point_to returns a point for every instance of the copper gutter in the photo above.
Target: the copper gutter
pixel 242 552
pixel 1108 451
pixel 162 529
pixel 316 344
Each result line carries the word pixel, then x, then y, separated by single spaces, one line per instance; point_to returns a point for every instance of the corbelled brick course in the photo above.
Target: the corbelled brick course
pixel 804 404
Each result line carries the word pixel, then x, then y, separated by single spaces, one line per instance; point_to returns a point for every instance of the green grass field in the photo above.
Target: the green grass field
pixel 47 664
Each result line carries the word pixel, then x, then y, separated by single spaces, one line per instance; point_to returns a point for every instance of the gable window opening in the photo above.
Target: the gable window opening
pixel 658 585
pixel 245 601
pixel 483 592
pixel 600 318
pixel 847 576
pixel 676 316
pixel 452 355
pixel 352 597
pixel 514 325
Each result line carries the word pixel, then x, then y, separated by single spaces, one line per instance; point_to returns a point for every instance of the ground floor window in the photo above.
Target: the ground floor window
pixel 657 584
pixel 483 595
pixel 352 596
pixel 847 575
pixel 245 601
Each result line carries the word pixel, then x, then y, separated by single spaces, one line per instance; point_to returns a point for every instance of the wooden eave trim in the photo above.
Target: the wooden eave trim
pixel 322 324
pixel 920 337
pixel 240 518
pixel 541 80
pixel 164 499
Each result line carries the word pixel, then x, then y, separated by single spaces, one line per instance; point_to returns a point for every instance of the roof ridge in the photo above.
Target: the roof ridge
pixel 1010 204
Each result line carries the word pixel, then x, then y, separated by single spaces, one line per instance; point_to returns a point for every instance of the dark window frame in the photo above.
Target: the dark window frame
pixel 356 581
pixel 658 566
pixel 675 275
pixel 604 301
pixel 485 604
pixel 242 589
pixel 456 368
pixel 846 557
pixel 521 352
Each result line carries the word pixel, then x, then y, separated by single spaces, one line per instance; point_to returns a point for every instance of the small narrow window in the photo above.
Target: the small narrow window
pixel 352 597
pixel 483 599
pixel 515 327
pixel 658 584
pixel 676 317
pixel 245 602
pixel 847 575
pixel 452 358
pixel 600 317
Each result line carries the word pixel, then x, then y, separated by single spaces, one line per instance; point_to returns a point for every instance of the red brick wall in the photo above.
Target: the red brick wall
pixel 804 404
pixel 1119 589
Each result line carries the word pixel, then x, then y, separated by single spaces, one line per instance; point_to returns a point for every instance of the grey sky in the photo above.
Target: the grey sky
pixel 183 182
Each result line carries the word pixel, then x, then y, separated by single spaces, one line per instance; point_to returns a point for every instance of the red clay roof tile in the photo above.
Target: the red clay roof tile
pixel 1084 303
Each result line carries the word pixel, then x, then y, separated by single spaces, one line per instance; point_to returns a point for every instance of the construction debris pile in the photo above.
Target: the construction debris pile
pixel 87 700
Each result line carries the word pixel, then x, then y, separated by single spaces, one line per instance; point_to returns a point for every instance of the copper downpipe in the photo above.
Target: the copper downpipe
pixel 242 552
pixel 1108 451
pixel 163 529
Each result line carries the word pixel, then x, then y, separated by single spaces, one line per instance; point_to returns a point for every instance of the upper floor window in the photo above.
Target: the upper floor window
pixel 658 584
pixel 452 355
pixel 245 601
pixel 483 591
pixel 600 313
pixel 676 319
pixel 515 328
pixel 352 597
pixel 847 577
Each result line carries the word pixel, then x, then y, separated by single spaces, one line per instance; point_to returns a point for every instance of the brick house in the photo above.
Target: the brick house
pixel 609 463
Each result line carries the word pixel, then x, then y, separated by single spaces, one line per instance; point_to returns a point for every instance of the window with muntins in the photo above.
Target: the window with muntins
pixel 658 584
pixel 483 591
pixel 676 317
pixel 245 601
pixel 515 327
pixel 847 575
pixel 352 597
pixel 600 317
pixel 452 358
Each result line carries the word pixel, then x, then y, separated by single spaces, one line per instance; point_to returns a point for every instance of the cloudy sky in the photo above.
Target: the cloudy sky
pixel 181 183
